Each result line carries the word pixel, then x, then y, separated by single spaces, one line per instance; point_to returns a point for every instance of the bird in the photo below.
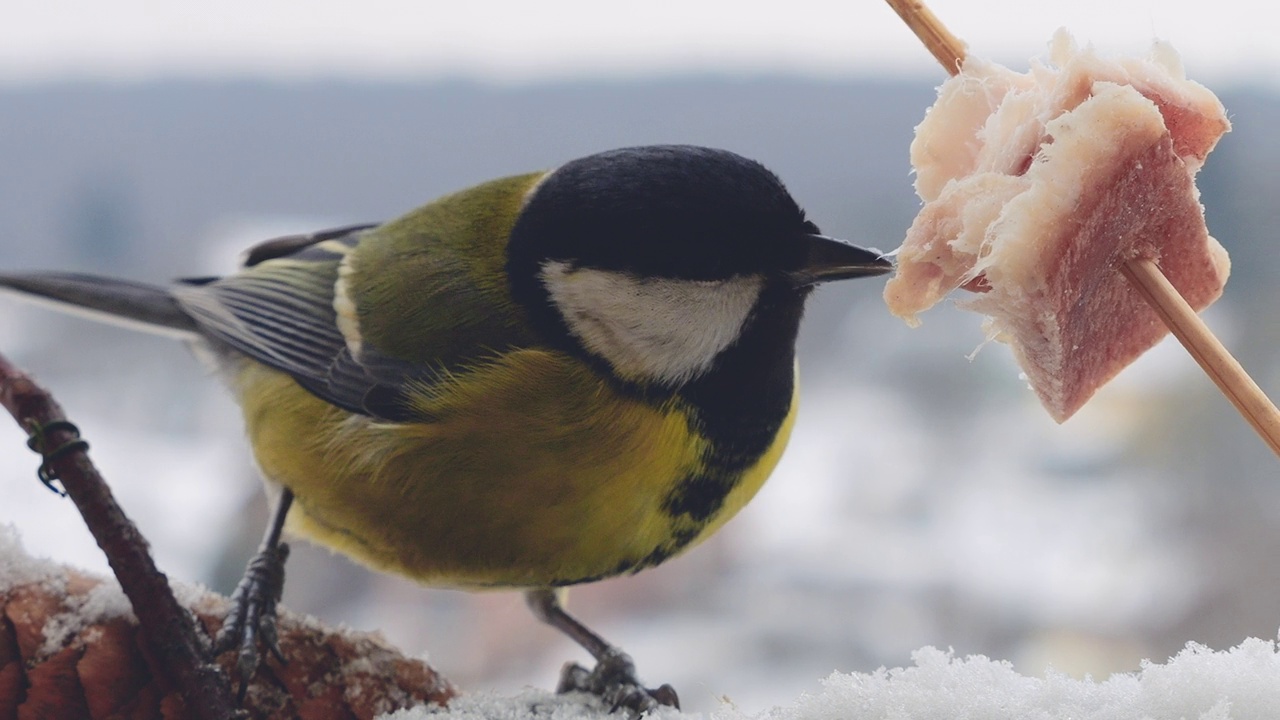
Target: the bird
pixel 540 381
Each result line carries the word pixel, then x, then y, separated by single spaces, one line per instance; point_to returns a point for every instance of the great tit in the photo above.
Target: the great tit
pixel 543 380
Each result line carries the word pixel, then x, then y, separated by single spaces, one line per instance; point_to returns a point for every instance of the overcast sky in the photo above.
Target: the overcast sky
pixel 517 41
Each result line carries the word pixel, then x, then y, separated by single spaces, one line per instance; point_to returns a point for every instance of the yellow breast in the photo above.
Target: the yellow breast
pixel 532 472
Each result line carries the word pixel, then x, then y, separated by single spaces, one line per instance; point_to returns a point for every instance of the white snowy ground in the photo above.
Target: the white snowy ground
pixel 1242 683
pixel 1199 684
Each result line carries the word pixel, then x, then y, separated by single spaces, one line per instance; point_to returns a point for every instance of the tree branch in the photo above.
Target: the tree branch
pixel 169 630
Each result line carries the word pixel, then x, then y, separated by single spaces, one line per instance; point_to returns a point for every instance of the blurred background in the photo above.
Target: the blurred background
pixel 926 499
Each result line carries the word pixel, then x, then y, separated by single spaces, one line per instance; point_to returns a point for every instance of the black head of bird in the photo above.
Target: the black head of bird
pixel 654 260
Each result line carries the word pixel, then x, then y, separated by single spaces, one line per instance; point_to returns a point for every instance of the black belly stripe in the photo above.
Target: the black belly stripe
pixel 740 405
pixel 679 540
pixel 698 496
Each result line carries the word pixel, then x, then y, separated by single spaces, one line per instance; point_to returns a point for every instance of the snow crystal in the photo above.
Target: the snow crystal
pixel 1242 684
pixel 528 705
pixel 102 602
pixel 16 566
pixel 1199 684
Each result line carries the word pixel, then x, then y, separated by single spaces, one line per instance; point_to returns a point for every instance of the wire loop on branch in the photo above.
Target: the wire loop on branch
pixel 37 440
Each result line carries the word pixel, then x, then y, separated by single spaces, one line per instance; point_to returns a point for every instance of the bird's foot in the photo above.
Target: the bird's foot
pixel 614 681
pixel 253 614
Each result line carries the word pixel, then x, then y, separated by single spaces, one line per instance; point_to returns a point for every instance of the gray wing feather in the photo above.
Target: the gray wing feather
pixel 279 311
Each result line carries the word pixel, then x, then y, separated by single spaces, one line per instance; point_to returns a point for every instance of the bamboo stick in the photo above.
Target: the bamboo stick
pixel 1143 273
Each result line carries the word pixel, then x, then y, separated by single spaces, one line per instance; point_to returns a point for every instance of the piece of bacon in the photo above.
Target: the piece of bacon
pixel 1039 186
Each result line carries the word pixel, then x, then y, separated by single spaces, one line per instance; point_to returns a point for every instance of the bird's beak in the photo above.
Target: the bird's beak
pixel 827 259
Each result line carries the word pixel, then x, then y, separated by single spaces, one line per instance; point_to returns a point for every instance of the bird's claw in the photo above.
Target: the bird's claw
pixel 253 614
pixel 614 681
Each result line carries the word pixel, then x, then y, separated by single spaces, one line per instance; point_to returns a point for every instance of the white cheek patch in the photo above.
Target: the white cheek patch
pixel 663 330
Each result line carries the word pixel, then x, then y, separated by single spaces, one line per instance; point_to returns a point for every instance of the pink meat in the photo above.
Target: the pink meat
pixel 1039 186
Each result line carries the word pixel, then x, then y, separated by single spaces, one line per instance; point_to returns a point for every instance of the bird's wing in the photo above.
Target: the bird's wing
pixel 279 310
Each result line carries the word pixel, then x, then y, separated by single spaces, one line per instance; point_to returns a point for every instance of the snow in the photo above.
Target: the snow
pixel 16 566
pixel 1236 684
pixel 101 603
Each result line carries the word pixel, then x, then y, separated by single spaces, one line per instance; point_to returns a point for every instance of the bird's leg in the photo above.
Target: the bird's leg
pixel 614 677
pixel 253 604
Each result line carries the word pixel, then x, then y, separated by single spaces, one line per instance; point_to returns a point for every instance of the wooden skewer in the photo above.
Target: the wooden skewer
pixel 1205 347
pixel 948 49
pixel 1143 273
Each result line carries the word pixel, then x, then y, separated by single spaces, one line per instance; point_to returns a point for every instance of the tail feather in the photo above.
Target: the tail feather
pixel 120 301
